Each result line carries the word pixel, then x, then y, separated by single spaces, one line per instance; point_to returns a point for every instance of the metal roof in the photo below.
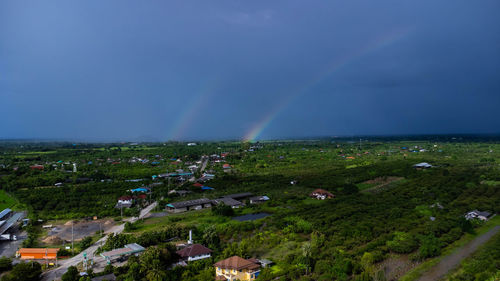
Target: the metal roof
pixel 239 195
pixel 189 203
pixel 10 222
pixel 4 213
pixel 228 201
pixel 129 249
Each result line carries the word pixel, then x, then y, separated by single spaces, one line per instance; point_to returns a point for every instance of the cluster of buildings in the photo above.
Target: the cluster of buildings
pixel 233 268
pixel 475 214
pixel 232 200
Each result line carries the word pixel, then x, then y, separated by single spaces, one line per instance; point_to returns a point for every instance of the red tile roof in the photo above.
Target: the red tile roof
pixel 194 250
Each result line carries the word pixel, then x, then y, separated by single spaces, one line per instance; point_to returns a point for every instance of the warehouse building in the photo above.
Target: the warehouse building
pixel 183 206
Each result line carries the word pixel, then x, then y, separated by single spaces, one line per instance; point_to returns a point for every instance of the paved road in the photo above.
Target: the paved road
pixel 9 248
pixel 453 260
pixel 64 264
pixel 204 165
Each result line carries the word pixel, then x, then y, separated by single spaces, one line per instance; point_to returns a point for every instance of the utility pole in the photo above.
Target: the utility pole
pixel 72 239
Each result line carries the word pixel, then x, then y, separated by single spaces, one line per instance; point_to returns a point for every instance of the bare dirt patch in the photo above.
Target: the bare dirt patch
pixel 52 240
pixel 81 229
pixel 381 182
pixel 395 267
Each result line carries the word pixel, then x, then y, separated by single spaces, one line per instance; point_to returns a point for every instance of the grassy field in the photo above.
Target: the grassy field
pixel 6 201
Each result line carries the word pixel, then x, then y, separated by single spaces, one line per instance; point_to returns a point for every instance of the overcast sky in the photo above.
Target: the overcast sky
pixel 160 70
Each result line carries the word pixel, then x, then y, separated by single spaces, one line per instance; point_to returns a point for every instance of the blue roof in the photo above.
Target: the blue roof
pixel 140 189
pixel 206 188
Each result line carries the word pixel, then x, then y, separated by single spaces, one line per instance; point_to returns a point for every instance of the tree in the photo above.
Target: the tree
pixel 430 247
pixel 30 271
pixel 350 189
pixel 86 242
pixel 134 272
pixel 306 253
pixel 367 262
pixel 71 274
pixel 466 225
pixel 402 243
pixel 5 264
pixel 211 238
pixel 222 210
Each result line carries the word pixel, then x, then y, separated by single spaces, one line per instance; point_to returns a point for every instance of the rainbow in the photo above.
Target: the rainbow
pixel 380 42
pixel 187 118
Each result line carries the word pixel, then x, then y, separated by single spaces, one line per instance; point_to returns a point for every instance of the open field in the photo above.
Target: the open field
pixel 6 201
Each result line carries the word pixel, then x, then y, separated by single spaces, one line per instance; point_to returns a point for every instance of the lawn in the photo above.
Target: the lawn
pixel 6 201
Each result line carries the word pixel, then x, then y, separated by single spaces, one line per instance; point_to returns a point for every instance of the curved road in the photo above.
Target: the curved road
pixel 56 273
pixel 453 260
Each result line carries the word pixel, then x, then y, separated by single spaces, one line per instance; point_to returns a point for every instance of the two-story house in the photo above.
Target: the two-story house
pixel 236 268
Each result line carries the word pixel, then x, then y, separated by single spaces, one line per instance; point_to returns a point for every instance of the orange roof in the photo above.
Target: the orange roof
pixel 38 250
pixel 237 263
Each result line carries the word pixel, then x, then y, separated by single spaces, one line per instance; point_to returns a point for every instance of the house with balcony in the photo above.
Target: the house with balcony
pixel 236 268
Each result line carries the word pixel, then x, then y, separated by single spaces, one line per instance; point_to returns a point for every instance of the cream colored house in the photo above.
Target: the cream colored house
pixel 236 268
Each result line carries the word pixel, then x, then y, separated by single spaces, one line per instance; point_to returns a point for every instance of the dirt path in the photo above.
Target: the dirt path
pixel 64 264
pixel 451 261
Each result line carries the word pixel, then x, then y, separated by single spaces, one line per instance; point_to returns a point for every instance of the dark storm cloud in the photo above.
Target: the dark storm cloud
pixel 202 69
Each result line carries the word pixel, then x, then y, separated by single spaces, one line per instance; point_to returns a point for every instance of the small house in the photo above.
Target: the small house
pixel 321 194
pixel 194 252
pixel 484 216
pixel 125 202
pixel 258 199
pixel 36 167
pixel 423 165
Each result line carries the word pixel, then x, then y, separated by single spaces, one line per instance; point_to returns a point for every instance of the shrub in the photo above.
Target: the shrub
pixel 402 243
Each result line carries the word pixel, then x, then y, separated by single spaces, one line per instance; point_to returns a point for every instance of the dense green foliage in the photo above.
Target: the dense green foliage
pixel 24 271
pixel 383 207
